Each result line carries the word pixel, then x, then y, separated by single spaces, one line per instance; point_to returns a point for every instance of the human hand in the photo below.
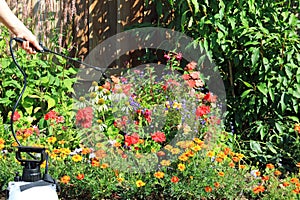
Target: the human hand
pixel 30 43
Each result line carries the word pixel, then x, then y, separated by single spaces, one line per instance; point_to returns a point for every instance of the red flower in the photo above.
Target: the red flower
pixel 158 137
pixel 174 179
pixel 84 117
pixel 210 97
pixel 186 76
pixel 202 110
pixel 50 115
pixel 178 56
pixel 16 116
pixel 80 176
pixel 131 139
pixel 147 115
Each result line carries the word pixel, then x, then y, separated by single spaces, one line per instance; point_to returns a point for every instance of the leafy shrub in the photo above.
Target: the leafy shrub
pixel 256 46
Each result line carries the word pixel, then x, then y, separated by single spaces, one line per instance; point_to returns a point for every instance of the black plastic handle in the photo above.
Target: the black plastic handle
pixel 21 40
pixel 40 150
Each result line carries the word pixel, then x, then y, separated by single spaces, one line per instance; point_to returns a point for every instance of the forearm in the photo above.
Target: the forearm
pixel 9 19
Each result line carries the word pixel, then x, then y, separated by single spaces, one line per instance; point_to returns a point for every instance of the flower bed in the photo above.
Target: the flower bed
pixel 145 135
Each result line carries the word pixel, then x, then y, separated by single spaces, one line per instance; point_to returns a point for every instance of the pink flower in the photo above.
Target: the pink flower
pixel 202 110
pixel 84 117
pixel 158 137
pixel 131 139
pixel 179 56
pixel 16 116
pixel 60 119
pixel 36 129
pixel 167 57
pixel 147 115
pixel 195 75
pixel 186 76
pixel 191 66
pixel 50 115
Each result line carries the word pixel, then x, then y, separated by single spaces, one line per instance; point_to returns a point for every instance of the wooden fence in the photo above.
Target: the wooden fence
pixel 82 23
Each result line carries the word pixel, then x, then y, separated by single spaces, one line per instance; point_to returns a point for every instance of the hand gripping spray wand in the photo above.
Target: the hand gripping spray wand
pixel 32 185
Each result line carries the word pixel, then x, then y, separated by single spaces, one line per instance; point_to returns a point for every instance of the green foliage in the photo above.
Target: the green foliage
pixel 49 82
pixel 256 45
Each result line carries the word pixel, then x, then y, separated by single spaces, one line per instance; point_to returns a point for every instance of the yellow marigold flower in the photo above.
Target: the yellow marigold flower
pixel 183 157
pixel 210 154
pixel 65 151
pixel 104 165
pixel 61 142
pixel 221 155
pixel 297 128
pixel 186 129
pixel 120 179
pixel 168 147
pixel 165 162
pixel 117 144
pixel 159 175
pixel 77 158
pixel 141 141
pixel 298 164
pixel 175 151
pixel 51 139
pixel 53 155
pixel 196 148
pixel 240 155
pixel 43 165
pixel 14 144
pixel 140 183
pixel 1 146
pixel 177 105
pixel 181 167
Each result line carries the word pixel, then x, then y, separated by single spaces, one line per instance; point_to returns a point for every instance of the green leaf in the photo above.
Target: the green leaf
pixel 50 101
pixel 271 148
pixel 255 56
pixel 255 146
pixel 196 6
pixel 245 93
pixel 282 102
pixel 262 87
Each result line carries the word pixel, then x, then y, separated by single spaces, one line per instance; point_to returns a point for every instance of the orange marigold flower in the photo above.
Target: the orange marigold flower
pixel 2 141
pixel 159 175
pixel 217 184
pixel 285 184
pixel 208 189
pixel 297 128
pixel 242 166
pixel 56 151
pixel 231 164
pixel 258 189
pixel 265 178
pixel 140 183
pixel 160 154
pixel 65 179
pixel 174 179
pixel 298 164
pixel 297 190
pixel 235 159
pixel 240 156
pixel 219 160
pixel 294 180
pixel 227 151
pixel 221 173
pixel 189 153
pixel 277 173
pixel 86 151
pixel 104 165
pixel 95 163
pixel 270 166
pixel 181 167
pixel 80 176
